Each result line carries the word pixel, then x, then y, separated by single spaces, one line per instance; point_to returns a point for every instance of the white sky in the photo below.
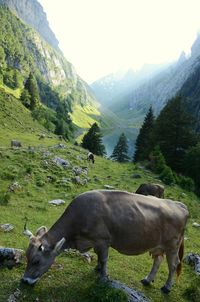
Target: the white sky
pixel 101 36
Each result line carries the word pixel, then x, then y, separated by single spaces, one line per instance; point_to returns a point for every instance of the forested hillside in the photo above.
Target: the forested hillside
pixel 22 51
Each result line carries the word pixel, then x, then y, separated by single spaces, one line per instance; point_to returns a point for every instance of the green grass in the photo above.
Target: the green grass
pixel 71 279
pixel 84 117
pixel 14 92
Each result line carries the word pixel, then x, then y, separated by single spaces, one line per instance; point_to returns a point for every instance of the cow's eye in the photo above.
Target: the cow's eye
pixel 41 248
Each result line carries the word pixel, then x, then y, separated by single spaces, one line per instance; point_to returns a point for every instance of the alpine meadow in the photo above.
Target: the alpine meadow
pixel 72 156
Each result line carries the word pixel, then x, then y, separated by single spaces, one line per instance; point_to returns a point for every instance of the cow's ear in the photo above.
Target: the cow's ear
pixel 59 245
pixel 41 231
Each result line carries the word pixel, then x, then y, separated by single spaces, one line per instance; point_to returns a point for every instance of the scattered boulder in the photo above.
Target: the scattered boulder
pixel 196 225
pixel 108 187
pixel 77 180
pixel 193 260
pixel 13 297
pixel 151 189
pixel 15 186
pixel 84 181
pixel 85 256
pixel 15 144
pixel 77 170
pixel 136 176
pixel 60 146
pixel 10 257
pixel 42 136
pixel 57 202
pixel 132 294
pixel 7 227
pixel 61 162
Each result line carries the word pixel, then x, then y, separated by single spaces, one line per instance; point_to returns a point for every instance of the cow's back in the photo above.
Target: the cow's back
pixel 131 223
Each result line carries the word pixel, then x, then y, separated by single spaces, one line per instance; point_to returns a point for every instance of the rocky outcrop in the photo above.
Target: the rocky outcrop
pixel 32 13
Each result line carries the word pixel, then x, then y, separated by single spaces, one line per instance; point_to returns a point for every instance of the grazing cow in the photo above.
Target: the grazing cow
pixel 130 223
pixel 90 157
pixel 15 144
pixel 151 189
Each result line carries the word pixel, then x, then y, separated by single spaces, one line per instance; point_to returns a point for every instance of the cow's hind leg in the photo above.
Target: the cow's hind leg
pixel 151 276
pixel 102 254
pixel 173 261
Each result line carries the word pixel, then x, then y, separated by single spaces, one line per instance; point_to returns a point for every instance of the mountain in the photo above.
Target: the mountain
pixel 24 50
pixel 156 88
pixel 111 88
pixel 31 12
pixel 191 92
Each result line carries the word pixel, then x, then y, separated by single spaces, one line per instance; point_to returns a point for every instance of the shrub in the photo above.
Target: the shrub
pixel 186 183
pixel 167 175
pixel 157 160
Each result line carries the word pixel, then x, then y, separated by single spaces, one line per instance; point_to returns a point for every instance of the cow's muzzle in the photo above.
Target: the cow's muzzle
pixel 29 281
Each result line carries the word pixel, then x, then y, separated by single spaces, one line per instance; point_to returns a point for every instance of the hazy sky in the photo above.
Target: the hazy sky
pixel 102 36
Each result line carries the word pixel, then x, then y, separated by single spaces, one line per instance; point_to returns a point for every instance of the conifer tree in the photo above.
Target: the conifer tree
pixel 92 140
pixel 30 96
pixel 173 132
pixel 120 150
pixel 144 142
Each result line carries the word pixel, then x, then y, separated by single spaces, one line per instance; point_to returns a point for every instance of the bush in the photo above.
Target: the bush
pixel 167 175
pixel 186 183
pixel 157 160
pixel 102 292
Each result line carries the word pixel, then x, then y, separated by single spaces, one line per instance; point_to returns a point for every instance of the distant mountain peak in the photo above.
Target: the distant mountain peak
pixel 32 13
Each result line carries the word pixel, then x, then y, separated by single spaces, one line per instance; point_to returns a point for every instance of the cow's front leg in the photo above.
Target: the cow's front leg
pixel 151 276
pixel 102 254
pixel 173 261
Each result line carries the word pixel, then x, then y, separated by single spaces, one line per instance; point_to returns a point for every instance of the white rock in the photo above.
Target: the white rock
pixel 57 202
pixel 196 225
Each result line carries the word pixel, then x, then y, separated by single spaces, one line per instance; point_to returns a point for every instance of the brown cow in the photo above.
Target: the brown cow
pixel 130 223
pixel 151 189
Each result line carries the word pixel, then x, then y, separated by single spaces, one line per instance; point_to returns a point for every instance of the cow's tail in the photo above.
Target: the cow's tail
pixel 180 254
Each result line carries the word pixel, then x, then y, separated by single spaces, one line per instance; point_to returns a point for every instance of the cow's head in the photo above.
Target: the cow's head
pixel 40 255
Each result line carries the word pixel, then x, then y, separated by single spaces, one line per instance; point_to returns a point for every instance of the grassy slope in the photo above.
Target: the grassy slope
pixel 70 281
pixel 16 123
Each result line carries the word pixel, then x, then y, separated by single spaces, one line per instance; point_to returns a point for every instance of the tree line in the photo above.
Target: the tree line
pixel 168 145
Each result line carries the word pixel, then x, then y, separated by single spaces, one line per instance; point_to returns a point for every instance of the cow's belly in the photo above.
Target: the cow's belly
pixel 138 243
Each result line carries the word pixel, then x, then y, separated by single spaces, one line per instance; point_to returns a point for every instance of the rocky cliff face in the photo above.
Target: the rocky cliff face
pixel 31 12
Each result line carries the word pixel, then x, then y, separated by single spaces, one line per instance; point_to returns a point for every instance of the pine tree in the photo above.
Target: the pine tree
pixel 121 149
pixel 173 133
pixel 144 142
pixel 92 140
pixel 192 164
pixel 32 88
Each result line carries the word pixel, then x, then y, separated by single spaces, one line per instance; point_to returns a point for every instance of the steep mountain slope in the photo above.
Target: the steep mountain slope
pixel 16 122
pixel 155 90
pixel 22 50
pixel 31 12
pixel 191 92
pixel 113 87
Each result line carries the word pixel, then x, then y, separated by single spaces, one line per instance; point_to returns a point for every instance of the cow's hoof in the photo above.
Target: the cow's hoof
pixel 145 282
pixel 165 290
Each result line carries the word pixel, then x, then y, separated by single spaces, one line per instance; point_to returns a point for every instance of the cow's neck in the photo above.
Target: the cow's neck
pixel 60 229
